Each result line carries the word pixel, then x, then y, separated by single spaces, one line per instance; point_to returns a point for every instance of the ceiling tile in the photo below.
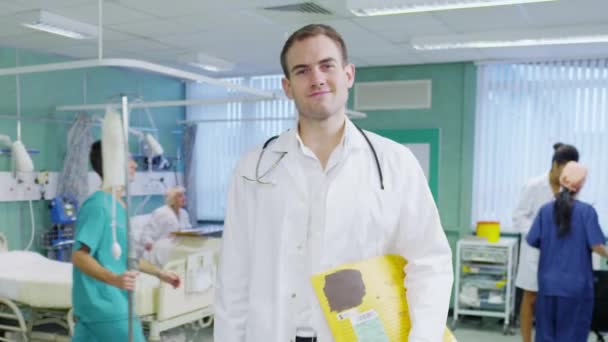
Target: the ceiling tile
pixel 155 27
pixel 401 28
pixel 21 5
pixel 112 14
pixel 483 19
pixel 112 35
pixel 567 13
pixel 241 32
pixel 238 22
pixel 7 9
pixel 142 45
pixel 359 41
pixel 10 26
pixel 168 9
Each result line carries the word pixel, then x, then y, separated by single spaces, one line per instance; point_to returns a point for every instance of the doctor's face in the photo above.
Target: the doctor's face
pixel 318 79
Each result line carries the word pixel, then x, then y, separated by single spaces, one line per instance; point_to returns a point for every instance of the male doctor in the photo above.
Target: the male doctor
pixel 322 195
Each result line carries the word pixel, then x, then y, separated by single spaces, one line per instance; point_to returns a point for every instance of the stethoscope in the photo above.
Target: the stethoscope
pixel 258 177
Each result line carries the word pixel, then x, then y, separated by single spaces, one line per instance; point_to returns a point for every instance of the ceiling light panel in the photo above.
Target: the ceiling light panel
pixel 59 25
pixel 389 7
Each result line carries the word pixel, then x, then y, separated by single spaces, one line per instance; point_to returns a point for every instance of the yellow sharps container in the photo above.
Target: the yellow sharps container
pixel 489 229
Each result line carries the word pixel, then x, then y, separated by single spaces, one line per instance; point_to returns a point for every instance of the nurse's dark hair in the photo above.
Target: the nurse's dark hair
pixel 562 212
pixel 95 157
pixel 308 31
pixel 563 153
pixel 562 208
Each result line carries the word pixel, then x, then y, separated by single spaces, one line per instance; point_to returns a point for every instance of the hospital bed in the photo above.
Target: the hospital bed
pixel 35 290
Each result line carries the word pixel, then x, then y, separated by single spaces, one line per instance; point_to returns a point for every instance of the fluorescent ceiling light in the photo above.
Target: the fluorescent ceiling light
pixel 512 43
pixel 207 67
pixel 56 24
pixel 377 7
pixel 561 36
pixel 206 62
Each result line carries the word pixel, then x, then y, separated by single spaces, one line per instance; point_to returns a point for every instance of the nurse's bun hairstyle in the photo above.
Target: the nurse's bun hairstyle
pixel 564 153
pixel 557 145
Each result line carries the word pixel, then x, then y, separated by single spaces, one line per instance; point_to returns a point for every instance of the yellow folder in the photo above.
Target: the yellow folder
pixel 365 301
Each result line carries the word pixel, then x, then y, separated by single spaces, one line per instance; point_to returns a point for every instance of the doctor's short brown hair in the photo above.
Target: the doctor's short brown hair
pixel 309 31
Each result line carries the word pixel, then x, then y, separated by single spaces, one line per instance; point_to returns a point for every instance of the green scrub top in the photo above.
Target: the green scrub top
pixel 93 300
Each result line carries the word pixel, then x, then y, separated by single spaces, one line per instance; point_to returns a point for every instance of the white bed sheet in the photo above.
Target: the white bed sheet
pixel 31 279
pixel 180 246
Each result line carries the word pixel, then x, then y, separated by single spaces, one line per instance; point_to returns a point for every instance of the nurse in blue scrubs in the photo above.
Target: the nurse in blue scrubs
pixel 566 231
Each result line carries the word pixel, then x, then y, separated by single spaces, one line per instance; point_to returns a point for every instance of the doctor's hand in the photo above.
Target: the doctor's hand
pixel 125 281
pixel 170 278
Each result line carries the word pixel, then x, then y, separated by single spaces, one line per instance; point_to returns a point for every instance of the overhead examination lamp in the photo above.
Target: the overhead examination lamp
pixel 21 160
pixel 152 146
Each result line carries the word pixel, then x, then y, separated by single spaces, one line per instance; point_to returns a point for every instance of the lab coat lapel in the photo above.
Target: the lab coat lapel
pixel 287 143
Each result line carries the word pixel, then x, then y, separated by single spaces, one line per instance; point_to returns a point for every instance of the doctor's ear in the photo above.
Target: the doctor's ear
pixel 287 88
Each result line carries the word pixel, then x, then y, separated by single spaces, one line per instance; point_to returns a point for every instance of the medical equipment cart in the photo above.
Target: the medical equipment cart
pixel 485 279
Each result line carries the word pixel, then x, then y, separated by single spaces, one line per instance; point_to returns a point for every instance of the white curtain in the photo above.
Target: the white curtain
pixel 190 174
pixel 220 143
pixel 522 110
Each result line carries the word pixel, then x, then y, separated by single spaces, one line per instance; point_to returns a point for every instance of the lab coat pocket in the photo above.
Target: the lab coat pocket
pixel 378 212
pixel 270 204
pixel 271 215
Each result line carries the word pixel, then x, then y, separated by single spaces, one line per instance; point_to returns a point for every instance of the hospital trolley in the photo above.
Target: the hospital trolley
pixel 484 282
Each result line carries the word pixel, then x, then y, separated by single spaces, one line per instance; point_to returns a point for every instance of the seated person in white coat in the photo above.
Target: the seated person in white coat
pixel 169 218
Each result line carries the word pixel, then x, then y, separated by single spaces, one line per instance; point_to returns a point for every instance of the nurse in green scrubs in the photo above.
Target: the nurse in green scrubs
pixel 101 281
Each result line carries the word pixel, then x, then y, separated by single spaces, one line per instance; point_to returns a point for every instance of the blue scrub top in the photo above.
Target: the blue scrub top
pixel 93 300
pixel 565 267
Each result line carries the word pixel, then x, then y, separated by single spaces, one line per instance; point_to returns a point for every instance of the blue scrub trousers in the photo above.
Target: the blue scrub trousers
pixel 562 318
pixel 112 331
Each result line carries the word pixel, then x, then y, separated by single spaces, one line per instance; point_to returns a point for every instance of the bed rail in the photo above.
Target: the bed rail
pixel 15 315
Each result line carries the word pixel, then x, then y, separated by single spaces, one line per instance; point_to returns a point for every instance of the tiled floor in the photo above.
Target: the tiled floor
pixel 488 330
pixel 468 330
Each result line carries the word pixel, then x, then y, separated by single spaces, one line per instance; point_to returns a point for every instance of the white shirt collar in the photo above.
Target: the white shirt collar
pixel 290 140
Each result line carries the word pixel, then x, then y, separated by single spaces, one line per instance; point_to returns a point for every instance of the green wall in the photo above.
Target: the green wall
pixel 452 112
pixel 42 92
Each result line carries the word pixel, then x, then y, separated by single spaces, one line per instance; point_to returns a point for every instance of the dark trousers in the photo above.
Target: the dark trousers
pixel 306 339
pixel 562 318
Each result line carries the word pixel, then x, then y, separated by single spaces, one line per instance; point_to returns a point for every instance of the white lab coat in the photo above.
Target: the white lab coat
pixel 263 227
pixel 535 194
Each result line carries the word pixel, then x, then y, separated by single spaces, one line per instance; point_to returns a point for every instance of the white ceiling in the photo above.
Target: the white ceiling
pixel 242 32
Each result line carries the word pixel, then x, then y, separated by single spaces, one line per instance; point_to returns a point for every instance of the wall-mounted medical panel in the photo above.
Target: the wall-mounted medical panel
pixel 24 187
